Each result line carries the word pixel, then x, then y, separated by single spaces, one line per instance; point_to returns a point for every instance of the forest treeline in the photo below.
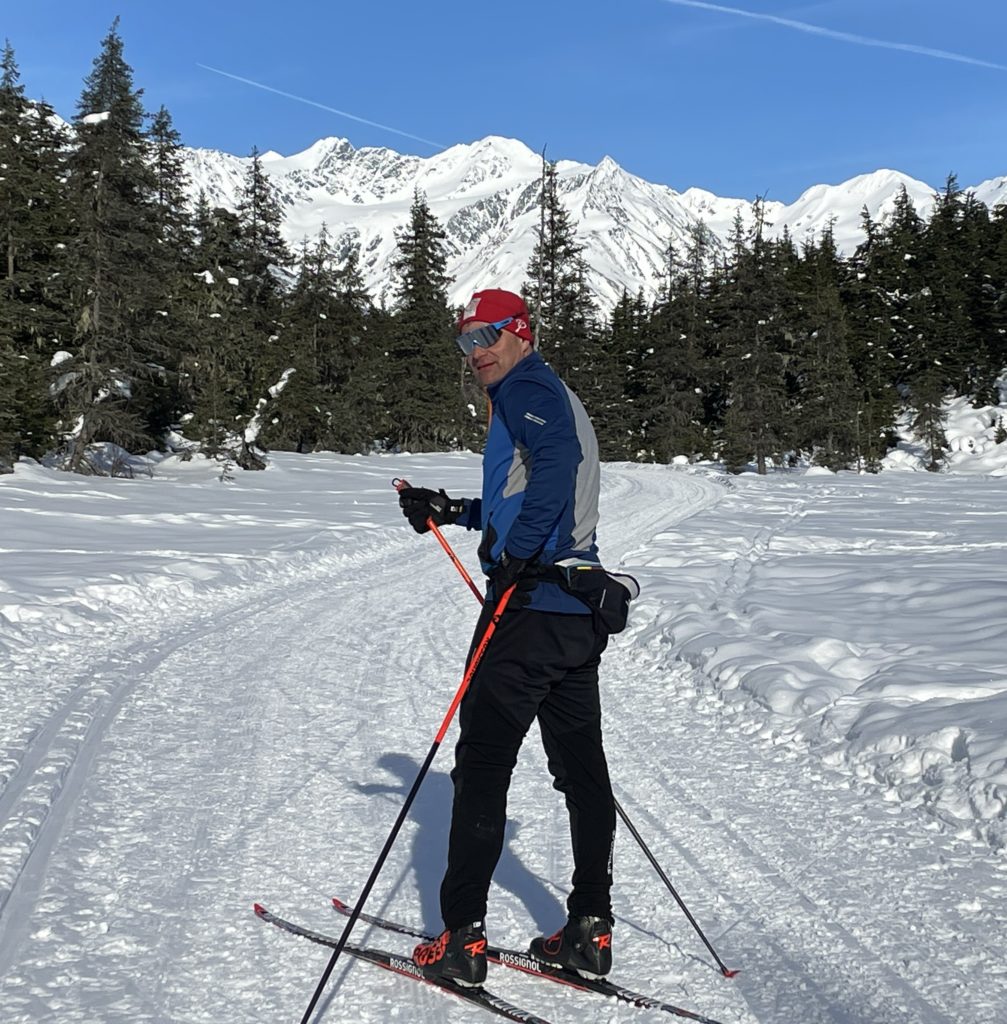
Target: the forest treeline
pixel 132 317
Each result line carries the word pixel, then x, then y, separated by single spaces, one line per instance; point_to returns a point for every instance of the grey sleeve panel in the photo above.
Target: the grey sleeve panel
pixel 585 517
pixel 520 469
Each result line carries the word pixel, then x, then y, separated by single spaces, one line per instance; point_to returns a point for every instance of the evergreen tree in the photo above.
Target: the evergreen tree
pixel 980 242
pixel 264 253
pixel 895 270
pixel 173 261
pixel 113 277
pixel 672 346
pixel 214 375
pixel 948 301
pixel 326 320
pixel 753 330
pixel 423 373
pixel 827 409
pixel 171 184
pixel 32 228
pixel 872 363
pixel 941 333
pixel 562 310
pixel 875 344
pixel 617 413
pixel 995 284
pixel 889 323
pixel 352 364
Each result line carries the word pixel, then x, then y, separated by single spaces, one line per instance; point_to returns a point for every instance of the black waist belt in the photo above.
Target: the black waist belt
pixel 606 594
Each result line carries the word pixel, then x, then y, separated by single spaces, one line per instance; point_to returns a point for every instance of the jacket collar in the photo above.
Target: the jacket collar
pixel 520 369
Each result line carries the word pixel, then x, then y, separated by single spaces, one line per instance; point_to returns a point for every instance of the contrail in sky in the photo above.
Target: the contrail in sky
pixel 322 106
pixel 845 37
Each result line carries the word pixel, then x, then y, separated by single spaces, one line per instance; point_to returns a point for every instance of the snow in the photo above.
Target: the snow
pixel 216 693
pixel 485 195
pixel 971 435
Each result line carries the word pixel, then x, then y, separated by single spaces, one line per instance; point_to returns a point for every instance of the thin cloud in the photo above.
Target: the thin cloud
pixel 844 37
pixel 322 106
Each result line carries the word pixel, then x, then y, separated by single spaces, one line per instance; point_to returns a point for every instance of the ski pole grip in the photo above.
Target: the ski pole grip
pixel 400 484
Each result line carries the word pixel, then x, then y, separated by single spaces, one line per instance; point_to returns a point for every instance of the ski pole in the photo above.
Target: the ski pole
pixel 724 970
pixel 667 881
pixel 389 842
pixel 399 484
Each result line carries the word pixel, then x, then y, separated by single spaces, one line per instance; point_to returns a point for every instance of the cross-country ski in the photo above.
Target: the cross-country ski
pixel 404 966
pixel 523 961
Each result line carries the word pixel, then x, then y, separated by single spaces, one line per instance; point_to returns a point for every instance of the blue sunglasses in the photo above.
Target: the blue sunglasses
pixel 482 337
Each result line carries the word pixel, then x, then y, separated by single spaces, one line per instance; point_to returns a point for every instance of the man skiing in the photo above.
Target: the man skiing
pixel 539 508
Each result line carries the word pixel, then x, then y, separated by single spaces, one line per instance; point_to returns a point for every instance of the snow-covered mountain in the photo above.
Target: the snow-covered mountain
pixel 485 194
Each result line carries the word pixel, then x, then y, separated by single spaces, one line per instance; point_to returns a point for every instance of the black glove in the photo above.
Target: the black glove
pixel 419 504
pixel 510 570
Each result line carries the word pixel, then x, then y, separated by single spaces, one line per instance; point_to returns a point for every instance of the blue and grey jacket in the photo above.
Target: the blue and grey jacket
pixel 541 478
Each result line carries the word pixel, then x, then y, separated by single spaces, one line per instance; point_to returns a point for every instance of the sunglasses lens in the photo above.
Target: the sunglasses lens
pixel 483 337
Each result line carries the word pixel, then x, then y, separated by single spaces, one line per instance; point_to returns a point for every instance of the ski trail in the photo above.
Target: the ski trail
pixel 39 796
pixel 260 750
pixel 56 841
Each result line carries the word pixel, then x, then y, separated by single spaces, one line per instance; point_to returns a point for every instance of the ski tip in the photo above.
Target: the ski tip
pixel 259 909
pixel 339 904
pixel 730 974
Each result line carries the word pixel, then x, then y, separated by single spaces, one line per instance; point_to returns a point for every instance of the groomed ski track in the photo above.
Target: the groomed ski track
pixel 257 748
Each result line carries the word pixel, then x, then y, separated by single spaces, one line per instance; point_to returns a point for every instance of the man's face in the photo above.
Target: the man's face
pixel 494 363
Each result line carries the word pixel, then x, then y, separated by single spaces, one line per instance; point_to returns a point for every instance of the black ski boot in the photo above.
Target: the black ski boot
pixel 458 956
pixel 583 945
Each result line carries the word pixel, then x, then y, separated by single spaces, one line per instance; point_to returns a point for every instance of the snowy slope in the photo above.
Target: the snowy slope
pixel 486 196
pixel 216 693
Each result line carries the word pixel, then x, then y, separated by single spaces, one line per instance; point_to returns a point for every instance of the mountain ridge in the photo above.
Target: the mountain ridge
pixel 485 195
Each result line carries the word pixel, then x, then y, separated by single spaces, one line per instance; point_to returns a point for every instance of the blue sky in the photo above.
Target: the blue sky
pixel 743 98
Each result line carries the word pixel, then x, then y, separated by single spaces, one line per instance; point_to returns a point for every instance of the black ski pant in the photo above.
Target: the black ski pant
pixel 544 665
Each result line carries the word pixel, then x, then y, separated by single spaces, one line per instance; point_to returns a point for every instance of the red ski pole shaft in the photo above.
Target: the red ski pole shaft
pixel 399 484
pixel 390 841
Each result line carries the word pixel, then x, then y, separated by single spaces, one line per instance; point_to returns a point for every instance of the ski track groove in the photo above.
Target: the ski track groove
pixel 321 615
pixel 37 800
pixel 86 715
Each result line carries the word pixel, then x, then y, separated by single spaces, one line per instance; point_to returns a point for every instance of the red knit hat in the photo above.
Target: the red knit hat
pixel 494 305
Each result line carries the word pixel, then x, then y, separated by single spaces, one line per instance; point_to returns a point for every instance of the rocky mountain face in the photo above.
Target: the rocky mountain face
pixel 485 194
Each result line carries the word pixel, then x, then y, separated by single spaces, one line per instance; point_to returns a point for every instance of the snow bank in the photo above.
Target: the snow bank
pixel 971 435
pixel 862 616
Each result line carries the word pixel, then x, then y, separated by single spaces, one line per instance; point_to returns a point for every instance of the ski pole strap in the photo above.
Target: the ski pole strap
pixel 607 595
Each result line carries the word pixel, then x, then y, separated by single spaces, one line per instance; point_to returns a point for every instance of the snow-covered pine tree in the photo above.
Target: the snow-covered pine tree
pixel 32 227
pixel 562 309
pixel 174 257
pixel 422 390
pixel 113 277
pixel 213 373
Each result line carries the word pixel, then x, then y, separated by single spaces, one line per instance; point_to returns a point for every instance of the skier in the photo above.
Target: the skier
pixel 539 508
